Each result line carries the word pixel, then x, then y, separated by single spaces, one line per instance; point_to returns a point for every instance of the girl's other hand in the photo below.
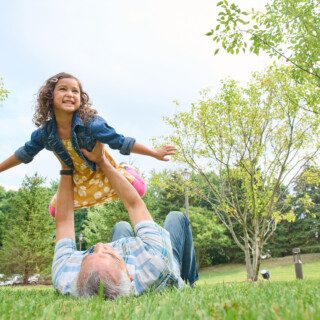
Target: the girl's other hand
pixel 164 151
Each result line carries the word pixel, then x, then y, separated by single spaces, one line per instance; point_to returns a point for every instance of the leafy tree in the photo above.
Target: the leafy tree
pixel 100 221
pixel 255 139
pixel 167 191
pixel 288 29
pixel 304 231
pixel 5 210
pixel 28 240
pixel 209 236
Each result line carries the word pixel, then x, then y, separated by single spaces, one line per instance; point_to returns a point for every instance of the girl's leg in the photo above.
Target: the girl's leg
pixel 52 206
pixel 178 225
pixel 138 183
pixel 122 229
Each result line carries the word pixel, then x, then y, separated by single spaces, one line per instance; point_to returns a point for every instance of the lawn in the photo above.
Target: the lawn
pixel 294 299
pixel 281 269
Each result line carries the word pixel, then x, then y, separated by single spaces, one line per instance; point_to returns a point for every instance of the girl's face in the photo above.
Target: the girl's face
pixel 66 96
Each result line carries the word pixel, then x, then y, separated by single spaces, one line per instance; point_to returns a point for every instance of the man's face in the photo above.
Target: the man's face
pixel 105 259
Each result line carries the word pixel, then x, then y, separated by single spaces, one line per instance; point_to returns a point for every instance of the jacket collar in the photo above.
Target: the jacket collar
pixel 76 121
pixel 52 126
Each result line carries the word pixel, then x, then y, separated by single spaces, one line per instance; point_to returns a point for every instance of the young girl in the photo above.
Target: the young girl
pixel 66 124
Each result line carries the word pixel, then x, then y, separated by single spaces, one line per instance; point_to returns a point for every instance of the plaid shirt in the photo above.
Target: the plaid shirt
pixel 148 257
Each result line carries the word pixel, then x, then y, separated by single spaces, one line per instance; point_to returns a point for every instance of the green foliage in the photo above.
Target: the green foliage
pixel 80 218
pixel 304 232
pixel 28 238
pixel 165 193
pixel 5 210
pixel 100 221
pixel 3 91
pixel 209 235
pixel 287 29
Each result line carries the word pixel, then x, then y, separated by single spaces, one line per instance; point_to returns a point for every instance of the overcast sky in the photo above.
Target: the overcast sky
pixel 134 58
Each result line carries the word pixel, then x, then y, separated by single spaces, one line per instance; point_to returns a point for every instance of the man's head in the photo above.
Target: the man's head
pixel 107 268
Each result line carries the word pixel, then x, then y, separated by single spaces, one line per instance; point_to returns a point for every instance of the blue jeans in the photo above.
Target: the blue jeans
pixel 178 226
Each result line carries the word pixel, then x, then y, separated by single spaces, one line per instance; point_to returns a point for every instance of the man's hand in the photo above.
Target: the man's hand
pixel 97 153
pixel 136 208
pixel 164 151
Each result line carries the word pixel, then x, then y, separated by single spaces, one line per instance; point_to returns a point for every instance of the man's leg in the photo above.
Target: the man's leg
pixel 122 229
pixel 178 225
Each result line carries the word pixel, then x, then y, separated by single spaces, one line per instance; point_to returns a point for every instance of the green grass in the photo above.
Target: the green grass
pixel 281 269
pixel 262 300
pixel 210 300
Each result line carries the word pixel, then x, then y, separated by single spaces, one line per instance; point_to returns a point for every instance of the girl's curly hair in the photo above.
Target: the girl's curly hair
pixel 44 104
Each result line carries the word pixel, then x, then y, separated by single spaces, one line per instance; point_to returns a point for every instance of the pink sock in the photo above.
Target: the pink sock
pixel 52 210
pixel 138 183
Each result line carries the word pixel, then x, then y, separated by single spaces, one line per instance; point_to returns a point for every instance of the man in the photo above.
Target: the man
pixel 153 259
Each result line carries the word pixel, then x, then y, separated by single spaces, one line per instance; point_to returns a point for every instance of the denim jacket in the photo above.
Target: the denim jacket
pixel 82 136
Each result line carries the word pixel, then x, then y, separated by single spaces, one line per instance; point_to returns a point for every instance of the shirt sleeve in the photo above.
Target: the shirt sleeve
pixel 155 238
pixel 27 152
pixel 63 250
pixel 106 134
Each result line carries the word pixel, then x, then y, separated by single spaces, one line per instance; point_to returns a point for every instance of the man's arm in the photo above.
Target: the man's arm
pixel 64 208
pixel 134 204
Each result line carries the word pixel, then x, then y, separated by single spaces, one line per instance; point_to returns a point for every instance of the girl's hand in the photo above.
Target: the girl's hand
pixel 97 153
pixel 164 151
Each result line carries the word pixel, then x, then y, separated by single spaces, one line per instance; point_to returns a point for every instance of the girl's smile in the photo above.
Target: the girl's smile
pixel 66 96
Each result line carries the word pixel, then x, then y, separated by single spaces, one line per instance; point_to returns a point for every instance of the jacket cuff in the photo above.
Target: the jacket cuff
pixel 127 145
pixel 23 156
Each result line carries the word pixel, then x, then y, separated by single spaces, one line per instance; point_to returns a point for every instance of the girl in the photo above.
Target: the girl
pixel 66 124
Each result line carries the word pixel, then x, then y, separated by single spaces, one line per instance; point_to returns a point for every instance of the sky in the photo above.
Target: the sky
pixel 133 58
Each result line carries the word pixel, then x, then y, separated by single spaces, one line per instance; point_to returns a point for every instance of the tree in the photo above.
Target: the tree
pixel 304 231
pixel 5 210
pixel 256 140
pixel 288 29
pixel 28 240
pixel 100 221
pixel 209 235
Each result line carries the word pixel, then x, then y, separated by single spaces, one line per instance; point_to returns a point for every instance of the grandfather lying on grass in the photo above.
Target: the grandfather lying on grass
pixel 152 258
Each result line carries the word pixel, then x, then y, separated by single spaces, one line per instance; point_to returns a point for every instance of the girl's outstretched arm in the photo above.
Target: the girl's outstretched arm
pixel 159 153
pixel 9 163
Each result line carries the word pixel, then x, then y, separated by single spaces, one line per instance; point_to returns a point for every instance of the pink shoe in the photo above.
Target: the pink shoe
pixel 138 183
pixel 52 210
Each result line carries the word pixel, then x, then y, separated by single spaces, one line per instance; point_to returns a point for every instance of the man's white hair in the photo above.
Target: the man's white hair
pixel 89 284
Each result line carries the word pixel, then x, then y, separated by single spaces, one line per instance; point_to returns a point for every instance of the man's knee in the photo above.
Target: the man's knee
pixel 122 226
pixel 176 217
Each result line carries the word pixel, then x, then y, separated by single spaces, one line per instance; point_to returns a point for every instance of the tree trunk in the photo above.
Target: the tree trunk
pixel 248 260
pixel 253 259
pixel 25 276
pixel 256 258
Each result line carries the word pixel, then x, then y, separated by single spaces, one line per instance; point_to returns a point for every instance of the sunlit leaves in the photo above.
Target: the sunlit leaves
pixel 287 29
pixel 3 91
